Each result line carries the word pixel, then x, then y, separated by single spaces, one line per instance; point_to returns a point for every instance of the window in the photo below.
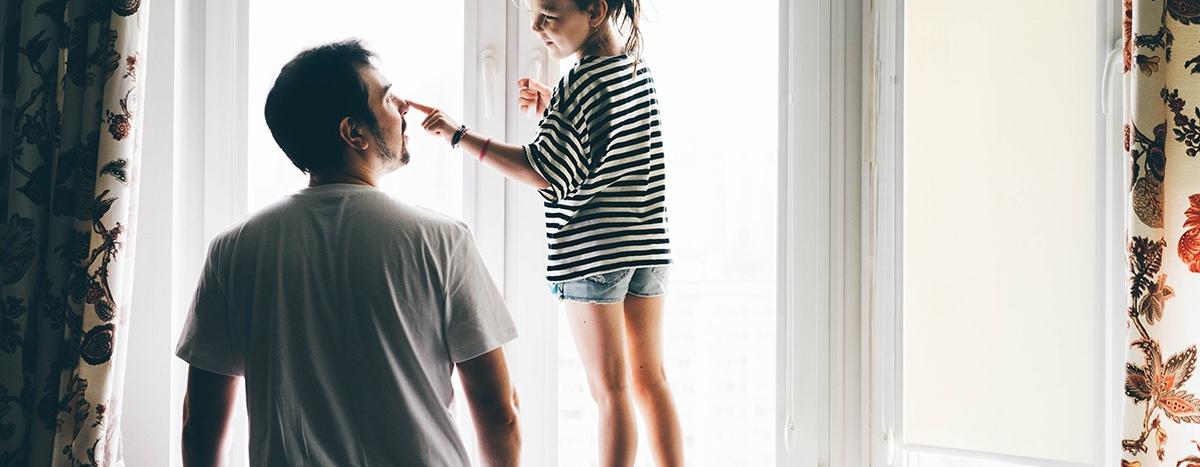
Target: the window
pixel 719 329
pixel 723 308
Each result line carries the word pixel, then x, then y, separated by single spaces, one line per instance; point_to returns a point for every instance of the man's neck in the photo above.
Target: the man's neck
pixel 315 179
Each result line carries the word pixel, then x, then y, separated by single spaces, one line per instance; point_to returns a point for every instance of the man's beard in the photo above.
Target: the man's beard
pixel 385 151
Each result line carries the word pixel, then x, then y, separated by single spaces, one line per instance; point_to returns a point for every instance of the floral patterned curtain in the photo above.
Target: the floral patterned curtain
pixel 71 80
pixel 1162 139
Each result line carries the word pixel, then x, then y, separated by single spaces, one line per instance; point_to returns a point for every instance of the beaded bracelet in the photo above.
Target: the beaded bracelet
pixel 458 136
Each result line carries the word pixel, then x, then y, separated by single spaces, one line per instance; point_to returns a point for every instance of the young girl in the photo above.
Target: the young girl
pixel 598 162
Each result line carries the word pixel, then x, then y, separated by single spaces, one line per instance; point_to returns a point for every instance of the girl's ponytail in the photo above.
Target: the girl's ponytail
pixel 632 10
pixel 626 15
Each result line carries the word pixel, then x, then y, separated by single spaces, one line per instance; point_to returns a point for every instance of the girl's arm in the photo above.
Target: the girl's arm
pixel 508 159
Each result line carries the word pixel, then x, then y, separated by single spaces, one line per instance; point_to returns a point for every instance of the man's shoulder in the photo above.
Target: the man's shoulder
pixel 402 216
pixel 372 211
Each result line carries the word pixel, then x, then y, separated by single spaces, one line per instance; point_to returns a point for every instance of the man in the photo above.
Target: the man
pixel 345 310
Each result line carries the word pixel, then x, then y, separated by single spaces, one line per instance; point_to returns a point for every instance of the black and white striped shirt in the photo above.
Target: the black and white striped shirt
pixel 600 147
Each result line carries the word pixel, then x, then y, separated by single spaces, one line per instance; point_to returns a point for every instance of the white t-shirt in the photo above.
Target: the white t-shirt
pixel 346 310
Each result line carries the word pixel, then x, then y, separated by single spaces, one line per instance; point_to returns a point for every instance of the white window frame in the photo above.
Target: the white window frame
pixel 203 127
pixel 826 405
pixel 802 276
pixel 534 356
pixel 824 357
pixel 883 222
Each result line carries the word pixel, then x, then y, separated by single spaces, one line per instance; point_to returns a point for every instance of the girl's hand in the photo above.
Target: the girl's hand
pixel 436 123
pixel 532 95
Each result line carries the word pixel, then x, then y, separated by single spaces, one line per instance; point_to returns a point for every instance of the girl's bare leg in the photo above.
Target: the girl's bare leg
pixel 599 332
pixel 643 326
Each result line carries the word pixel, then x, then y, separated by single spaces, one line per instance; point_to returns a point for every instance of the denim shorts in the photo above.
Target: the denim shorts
pixel 611 287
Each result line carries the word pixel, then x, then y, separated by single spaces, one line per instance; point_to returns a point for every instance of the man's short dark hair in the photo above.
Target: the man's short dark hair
pixel 311 96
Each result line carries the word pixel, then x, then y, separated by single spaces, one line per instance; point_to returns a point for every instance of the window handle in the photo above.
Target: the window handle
pixel 889 437
pixel 1105 87
pixel 788 427
pixel 537 62
pixel 487 60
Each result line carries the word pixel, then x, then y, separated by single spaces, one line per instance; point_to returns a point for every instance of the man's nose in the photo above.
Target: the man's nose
pixel 404 107
pixel 536 25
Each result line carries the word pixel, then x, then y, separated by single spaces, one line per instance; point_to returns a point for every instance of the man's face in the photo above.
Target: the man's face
pixel 389 110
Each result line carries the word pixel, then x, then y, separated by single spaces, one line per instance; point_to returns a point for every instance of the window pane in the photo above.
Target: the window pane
pixel 1002 285
pixel 396 31
pixel 719 328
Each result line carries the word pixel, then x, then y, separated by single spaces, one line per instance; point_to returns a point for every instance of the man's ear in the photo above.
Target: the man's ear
pixel 353 134
pixel 597 13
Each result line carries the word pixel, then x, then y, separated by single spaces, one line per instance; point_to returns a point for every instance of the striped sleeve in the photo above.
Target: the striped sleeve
pixel 559 155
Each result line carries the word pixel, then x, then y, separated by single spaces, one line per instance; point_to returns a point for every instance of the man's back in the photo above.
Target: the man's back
pixel 346 310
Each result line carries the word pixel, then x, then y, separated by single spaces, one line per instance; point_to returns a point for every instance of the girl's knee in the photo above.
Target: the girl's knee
pixel 649 380
pixel 608 388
